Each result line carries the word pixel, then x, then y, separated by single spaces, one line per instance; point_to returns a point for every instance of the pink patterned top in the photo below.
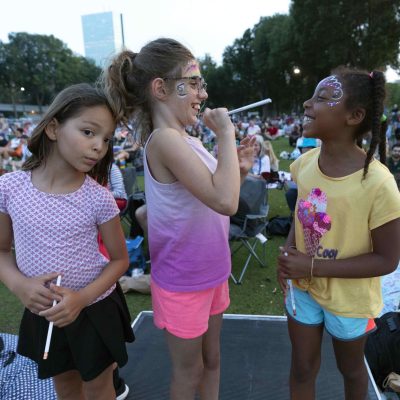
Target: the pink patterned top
pixel 57 232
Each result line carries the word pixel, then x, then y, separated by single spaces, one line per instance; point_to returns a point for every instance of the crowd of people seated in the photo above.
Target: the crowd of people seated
pixel 14 138
pixel 14 143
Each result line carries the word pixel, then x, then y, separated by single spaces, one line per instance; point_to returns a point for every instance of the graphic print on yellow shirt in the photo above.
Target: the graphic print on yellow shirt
pixel 314 219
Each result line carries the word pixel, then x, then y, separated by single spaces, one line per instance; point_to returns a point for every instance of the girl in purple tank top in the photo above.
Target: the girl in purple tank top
pixel 189 199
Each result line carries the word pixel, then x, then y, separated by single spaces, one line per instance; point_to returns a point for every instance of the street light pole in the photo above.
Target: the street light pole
pixel 22 89
pixel 297 72
pixel 13 95
pixel 122 30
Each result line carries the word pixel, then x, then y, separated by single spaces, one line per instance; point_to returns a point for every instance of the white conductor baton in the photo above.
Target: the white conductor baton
pixel 253 105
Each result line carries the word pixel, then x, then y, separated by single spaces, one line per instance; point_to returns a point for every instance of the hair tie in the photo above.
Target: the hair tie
pixel 371 74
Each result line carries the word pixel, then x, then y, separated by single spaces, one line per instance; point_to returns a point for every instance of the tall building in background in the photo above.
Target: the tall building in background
pixel 98 36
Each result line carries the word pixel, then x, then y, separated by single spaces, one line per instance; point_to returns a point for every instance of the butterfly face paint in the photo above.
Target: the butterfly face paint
pixel 181 90
pixel 192 77
pixel 330 89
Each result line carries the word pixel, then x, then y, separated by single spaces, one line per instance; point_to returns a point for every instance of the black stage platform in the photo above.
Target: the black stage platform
pixel 255 352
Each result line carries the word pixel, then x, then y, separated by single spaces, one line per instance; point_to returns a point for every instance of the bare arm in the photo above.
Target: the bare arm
pixel 381 261
pixel 291 238
pixel 32 292
pixel 168 151
pixel 290 243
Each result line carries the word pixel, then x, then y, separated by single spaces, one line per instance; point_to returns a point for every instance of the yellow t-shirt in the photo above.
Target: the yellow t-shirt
pixel 336 220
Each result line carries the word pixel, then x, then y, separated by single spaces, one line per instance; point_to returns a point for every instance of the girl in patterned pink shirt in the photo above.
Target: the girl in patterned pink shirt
pixel 53 210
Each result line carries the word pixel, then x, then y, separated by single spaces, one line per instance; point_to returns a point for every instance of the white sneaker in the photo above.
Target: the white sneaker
pixel 123 392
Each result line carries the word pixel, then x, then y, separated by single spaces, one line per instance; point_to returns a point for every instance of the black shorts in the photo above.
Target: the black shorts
pixel 89 345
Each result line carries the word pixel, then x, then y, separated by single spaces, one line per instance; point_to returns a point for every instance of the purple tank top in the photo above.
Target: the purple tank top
pixel 188 241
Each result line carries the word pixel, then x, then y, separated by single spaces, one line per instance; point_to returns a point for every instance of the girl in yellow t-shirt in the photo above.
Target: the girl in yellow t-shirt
pixel 348 207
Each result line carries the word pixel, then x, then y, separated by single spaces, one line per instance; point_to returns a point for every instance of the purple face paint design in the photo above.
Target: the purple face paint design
pixel 181 90
pixel 334 89
pixel 195 82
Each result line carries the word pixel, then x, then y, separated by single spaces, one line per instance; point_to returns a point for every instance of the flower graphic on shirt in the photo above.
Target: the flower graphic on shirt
pixel 314 219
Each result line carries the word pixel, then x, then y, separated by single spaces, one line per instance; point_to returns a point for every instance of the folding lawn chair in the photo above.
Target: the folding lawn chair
pixel 248 225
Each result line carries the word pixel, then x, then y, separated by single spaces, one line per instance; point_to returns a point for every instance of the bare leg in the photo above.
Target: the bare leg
pixel 141 216
pixel 187 366
pixel 350 362
pixel 306 359
pixel 68 386
pixel 209 385
pixel 101 387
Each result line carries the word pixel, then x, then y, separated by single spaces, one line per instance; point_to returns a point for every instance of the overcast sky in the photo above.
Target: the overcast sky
pixel 205 26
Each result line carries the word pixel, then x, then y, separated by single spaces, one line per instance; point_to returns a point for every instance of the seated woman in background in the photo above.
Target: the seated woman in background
pixel 117 187
pixel 127 153
pixel 273 159
pixel 261 161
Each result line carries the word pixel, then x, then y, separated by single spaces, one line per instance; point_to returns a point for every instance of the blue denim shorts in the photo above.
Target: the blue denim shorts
pixel 309 312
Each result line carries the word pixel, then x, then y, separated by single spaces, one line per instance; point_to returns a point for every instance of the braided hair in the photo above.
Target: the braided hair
pixel 367 91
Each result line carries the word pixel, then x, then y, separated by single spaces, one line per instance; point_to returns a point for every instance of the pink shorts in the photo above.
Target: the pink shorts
pixel 186 314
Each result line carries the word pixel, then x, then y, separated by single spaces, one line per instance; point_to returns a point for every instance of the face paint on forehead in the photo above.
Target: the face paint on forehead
pixel 337 90
pixel 192 69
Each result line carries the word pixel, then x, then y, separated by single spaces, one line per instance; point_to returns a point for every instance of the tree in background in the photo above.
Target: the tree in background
pixel 43 65
pixel 392 94
pixel 357 33
pixel 284 56
pixel 274 61
pixel 281 57
pixel 219 82
pixel 238 61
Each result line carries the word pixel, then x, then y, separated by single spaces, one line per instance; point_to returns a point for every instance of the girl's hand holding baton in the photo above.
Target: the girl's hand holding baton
pixel 290 284
pixel 51 324
pixel 292 296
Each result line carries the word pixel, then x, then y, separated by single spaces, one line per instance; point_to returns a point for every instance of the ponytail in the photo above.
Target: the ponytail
pixel 366 91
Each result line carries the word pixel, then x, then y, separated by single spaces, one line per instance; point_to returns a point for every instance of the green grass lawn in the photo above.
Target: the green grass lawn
pixel 258 294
